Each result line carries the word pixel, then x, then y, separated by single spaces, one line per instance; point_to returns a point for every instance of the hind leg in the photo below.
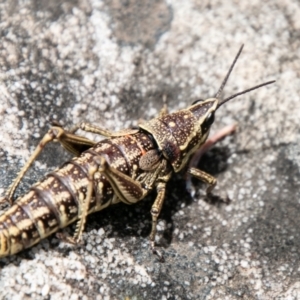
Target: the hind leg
pixel 71 142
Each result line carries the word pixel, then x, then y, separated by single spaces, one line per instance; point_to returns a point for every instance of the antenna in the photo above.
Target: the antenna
pixel 228 73
pixel 244 92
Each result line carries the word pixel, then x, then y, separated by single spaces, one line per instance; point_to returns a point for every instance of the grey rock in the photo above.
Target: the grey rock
pixel 113 62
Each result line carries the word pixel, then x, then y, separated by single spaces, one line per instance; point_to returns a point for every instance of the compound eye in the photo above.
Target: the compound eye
pixel 207 122
pixel 199 100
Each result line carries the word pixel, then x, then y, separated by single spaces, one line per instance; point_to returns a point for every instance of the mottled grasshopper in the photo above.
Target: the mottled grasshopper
pixel 124 167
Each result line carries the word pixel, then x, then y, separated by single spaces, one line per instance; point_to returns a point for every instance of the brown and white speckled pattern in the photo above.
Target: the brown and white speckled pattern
pixel 65 60
pixel 57 201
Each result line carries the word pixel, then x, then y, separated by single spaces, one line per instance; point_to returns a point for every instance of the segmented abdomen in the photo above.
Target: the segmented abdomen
pixel 56 201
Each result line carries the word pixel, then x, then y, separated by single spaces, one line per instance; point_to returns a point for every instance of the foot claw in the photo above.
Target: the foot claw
pixel 189 186
pixel 68 239
pixel 157 253
pixel 217 198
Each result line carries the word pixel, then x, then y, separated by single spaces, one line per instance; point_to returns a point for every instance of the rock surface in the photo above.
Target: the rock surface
pixel 112 63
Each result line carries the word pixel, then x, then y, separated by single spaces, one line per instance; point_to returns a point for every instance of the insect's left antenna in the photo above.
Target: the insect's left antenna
pixel 228 73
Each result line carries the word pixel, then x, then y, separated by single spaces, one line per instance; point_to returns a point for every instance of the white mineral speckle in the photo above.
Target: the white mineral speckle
pixel 244 264
pixel 67 63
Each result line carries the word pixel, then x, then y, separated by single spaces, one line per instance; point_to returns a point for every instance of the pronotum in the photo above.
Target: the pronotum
pixel 124 167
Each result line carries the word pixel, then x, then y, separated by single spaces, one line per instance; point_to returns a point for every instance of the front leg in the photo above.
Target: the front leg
pixel 204 148
pixel 211 181
pixel 205 177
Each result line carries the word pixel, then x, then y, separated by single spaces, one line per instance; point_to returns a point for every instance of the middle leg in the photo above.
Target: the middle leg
pixel 155 211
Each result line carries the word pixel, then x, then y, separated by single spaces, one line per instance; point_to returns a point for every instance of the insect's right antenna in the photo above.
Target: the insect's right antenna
pixel 228 73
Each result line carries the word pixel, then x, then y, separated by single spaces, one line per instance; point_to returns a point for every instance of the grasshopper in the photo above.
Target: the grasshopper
pixel 124 167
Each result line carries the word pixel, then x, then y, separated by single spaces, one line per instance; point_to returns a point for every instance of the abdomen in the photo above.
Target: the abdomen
pixel 56 201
